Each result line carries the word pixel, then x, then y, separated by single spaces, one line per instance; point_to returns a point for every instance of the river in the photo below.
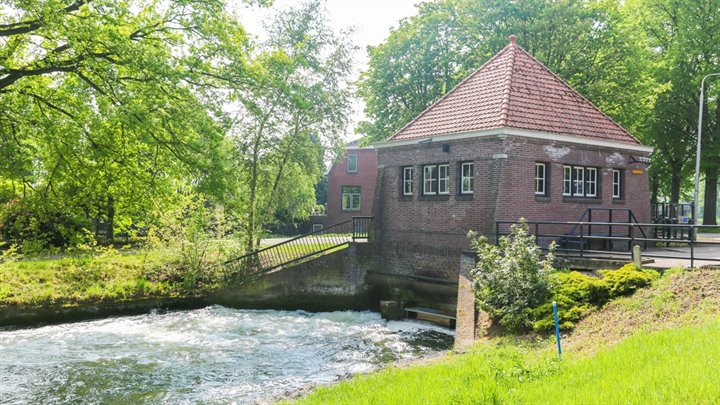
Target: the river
pixel 209 355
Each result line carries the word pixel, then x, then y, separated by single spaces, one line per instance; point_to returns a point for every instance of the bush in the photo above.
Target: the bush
pixel 512 278
pixel 627 279
pixel 578 294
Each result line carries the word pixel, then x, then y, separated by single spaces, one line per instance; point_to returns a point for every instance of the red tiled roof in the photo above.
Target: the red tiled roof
pixel 514 90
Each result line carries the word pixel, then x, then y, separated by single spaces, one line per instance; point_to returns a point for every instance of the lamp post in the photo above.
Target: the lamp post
pixel 699 141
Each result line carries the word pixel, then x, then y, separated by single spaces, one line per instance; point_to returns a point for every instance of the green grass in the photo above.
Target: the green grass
pixel 92 278
pixel 669 366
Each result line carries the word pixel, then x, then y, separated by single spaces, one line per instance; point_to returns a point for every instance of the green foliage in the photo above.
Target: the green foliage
pixel 578 294
pixel 512 278
pixel 670 366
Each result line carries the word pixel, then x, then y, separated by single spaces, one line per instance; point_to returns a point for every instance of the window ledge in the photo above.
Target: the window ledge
pixel 542 198
pixel 405 198
pixel 618 201
pixel 443 197
pixel 343 210
pixel 464 197
pixel 583 200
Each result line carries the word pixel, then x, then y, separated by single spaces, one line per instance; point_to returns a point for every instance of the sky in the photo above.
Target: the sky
pixel 371 20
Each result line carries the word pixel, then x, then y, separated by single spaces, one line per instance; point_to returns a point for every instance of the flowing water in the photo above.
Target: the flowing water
pixel 210 355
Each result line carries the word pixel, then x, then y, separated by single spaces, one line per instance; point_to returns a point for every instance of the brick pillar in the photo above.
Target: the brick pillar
pixel 471 322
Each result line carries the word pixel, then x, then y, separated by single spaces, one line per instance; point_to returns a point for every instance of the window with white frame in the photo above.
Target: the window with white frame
pixel 352 163
pixel 430 177
pixel 540 178
pixel 317 227
pixel 351 198
pixel 578 181
pixel 567 180
pixel 466 178
pixel 407 180
pixel 444 179
pixel 591 182
pixel 617 183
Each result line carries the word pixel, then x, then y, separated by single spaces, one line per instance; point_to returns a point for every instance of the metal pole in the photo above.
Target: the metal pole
pixel 557 329
pixel 697 153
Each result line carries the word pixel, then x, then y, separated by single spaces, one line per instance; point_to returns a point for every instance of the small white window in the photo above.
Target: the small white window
pixel 443 179
pixel 466 180
pixel 351 198
pixel 617 183
pixel 540 178
pixel 578 181
pixel 430 179
pixel 591 184
pixel 352 163
pixel 317 227
pixel 408 180
pixel 567 180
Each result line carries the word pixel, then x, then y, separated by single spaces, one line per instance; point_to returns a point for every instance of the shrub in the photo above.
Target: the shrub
pixel 578 294
pixel 627 279
pixel 512 278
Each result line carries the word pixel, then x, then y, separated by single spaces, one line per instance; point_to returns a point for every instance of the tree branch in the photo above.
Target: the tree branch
pixel 23 27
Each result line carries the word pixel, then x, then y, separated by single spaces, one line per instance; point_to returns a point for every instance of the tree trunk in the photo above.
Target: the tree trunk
pixel 654 186
pixel 675 187
pixel 110 235
pixel 711 197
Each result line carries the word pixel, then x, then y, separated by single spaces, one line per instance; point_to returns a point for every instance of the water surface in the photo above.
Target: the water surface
pixel 210 355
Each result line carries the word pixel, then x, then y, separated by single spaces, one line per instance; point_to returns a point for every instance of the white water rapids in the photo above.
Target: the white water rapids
pixel 210 355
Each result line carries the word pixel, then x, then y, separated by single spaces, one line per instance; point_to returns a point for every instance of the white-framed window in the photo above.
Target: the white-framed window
pixel 466 177
pixel 540 178
pixel 444 179
pixel 317 227
pixel 430 179
pixel 351 198
pixel 352 163
pixel 567 180
pixel 591 182
pixel 578 181
pixel 617 183
pixel 407 180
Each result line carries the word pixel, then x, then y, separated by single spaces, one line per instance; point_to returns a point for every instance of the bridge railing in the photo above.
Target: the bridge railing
pixel 303 247
pixel 610 239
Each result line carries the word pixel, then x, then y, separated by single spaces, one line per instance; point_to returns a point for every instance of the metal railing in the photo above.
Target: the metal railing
pixel 301 248
pixel 617 239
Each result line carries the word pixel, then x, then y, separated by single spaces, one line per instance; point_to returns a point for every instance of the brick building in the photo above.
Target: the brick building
pixel 511 140
pixel 351 185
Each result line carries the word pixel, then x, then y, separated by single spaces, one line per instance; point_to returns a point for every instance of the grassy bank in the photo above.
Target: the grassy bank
pixel 99 277
pixel 658 346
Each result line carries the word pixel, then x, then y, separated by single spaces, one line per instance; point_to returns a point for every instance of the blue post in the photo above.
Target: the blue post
pixel 557 329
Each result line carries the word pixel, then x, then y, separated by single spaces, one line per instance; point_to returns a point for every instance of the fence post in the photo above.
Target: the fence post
pixel 497 233
pixel 582 239
pixel 537 238
pixel 692 245
pixel 631 242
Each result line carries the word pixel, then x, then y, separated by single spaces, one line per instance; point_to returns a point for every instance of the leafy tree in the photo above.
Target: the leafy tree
pixel 108 108
pixel 295 109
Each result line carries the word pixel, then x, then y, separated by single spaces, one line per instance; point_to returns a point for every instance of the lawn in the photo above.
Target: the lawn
pixel 98 277
pixel 657 346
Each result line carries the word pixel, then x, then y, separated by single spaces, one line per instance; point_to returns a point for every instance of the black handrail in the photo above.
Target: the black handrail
pixel 301 247
pixel 631 238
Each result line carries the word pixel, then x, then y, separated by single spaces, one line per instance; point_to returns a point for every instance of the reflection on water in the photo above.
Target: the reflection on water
pixel 211 355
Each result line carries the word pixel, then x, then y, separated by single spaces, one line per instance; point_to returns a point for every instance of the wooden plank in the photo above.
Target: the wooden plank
pixel 429 311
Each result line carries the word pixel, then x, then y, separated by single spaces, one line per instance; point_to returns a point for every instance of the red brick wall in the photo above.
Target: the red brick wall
pixel 364 178
pixel 503 190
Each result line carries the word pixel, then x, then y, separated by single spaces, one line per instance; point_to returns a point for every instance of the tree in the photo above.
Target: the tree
pixel 108 108
pixel 684 45
pixel 295 109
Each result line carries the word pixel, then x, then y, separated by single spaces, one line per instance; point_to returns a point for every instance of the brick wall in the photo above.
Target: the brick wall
pixel 364 178
pixel 504 189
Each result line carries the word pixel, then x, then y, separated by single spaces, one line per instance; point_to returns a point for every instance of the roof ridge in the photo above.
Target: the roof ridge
pixel 577 93
pixel 508 87
pixel 444 96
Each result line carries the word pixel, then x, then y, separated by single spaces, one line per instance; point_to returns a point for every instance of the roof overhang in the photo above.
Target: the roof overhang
pixel 524 133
